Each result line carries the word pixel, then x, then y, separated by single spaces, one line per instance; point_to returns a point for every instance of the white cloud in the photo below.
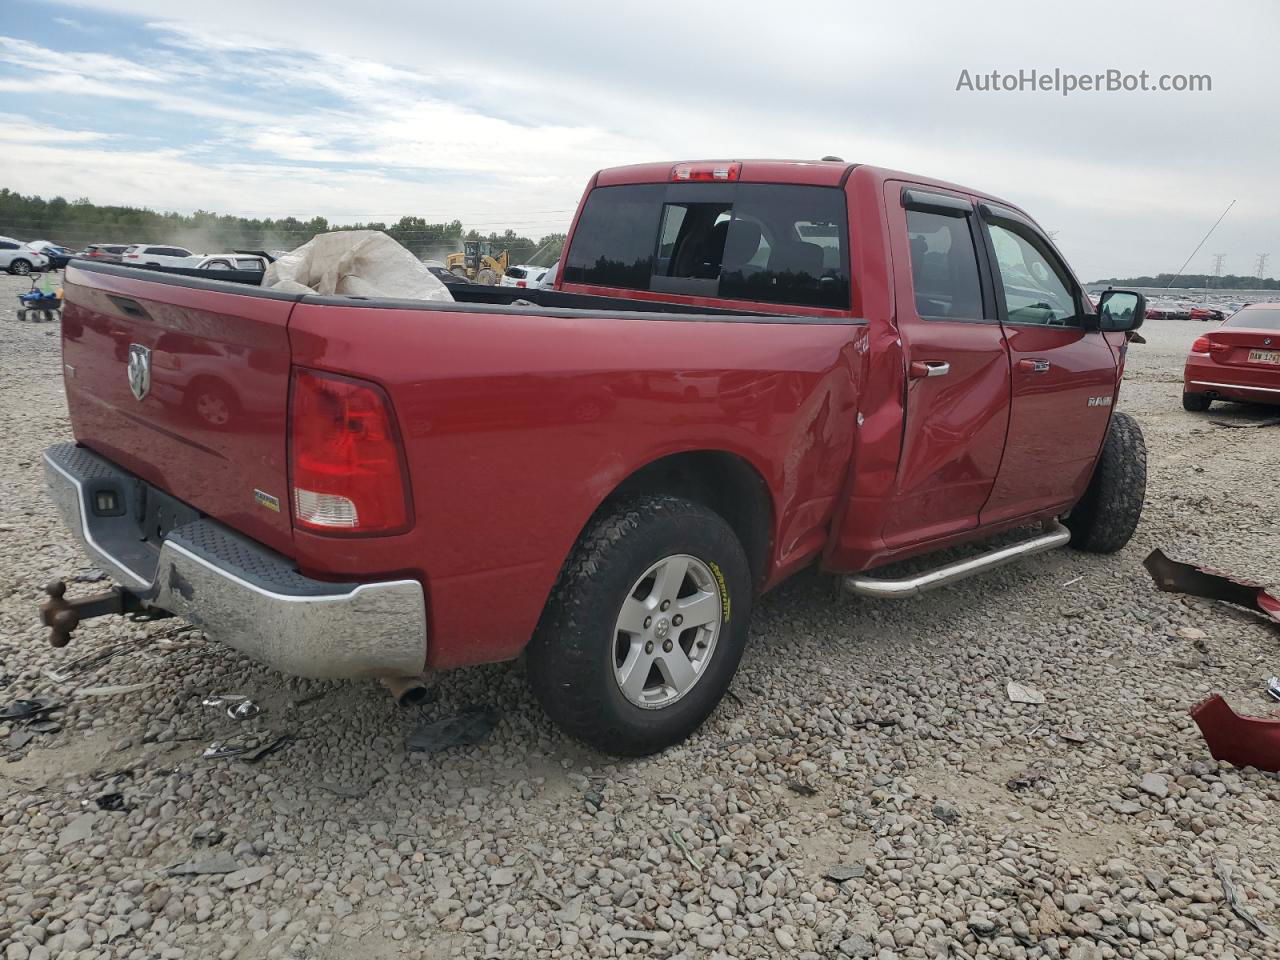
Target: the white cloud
pixel 401 110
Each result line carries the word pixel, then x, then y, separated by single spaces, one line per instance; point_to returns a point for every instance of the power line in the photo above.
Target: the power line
pixel 1200 244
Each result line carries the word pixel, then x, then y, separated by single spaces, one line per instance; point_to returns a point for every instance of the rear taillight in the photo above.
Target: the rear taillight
pixel 1205 345
pixel 521 283
pixel 131 256
pixel 345 460
pixel 693 172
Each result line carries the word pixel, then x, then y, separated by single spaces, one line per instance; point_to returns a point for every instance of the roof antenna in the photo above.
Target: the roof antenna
pixel 835 159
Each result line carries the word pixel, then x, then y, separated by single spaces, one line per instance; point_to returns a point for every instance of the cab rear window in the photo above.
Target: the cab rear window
pixel 771 243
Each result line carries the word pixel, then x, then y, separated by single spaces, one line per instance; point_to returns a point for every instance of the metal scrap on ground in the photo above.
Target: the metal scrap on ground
pixel 467 728
pixel 1173 576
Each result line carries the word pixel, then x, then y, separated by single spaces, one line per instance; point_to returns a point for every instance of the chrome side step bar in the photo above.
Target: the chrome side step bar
pixel 1055 535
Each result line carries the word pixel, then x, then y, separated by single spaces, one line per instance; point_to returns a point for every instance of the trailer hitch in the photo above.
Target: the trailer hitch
pixel 62 616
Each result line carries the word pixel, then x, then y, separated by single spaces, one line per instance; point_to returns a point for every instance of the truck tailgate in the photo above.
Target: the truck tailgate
pixel 186 387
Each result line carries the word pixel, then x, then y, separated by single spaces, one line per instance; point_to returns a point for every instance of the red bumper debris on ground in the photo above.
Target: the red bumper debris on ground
pixel 1243 741
pixel 1174 577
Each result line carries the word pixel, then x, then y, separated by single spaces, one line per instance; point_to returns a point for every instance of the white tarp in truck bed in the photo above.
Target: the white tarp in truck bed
pixel 355 263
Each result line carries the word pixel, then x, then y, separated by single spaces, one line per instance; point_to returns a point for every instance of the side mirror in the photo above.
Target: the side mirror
pixel 1120 311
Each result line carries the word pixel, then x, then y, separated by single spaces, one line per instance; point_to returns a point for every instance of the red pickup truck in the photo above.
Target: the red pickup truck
pixel 744 368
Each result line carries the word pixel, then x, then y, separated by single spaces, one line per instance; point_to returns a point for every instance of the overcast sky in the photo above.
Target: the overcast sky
pixel 497 115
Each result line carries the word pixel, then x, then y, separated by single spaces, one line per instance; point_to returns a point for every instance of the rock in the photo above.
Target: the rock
pixel 222 862
pixel 245 877
pixel 1021 693
pixel 856 945
pixel 77 831
pixel 1156 784
pixel 502 877
pixel 945 811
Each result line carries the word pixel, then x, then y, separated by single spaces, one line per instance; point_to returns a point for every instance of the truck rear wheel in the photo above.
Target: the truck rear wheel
pixel 645 628
pixel 1107 515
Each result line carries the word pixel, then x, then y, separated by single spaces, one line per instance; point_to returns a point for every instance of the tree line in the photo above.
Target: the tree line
pixel 1195 280
pixel 78 223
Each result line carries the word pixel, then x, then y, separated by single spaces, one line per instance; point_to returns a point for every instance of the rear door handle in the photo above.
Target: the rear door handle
pixel 929 368
pixel 1034 366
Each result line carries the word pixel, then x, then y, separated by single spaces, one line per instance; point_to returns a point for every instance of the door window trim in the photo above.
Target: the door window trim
pixel 995 214
pixel 929 200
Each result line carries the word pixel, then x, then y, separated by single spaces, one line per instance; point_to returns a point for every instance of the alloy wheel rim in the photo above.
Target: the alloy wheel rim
pixel 666 632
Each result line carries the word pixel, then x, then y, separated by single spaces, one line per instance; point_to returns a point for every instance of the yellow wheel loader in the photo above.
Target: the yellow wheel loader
pixel 480 261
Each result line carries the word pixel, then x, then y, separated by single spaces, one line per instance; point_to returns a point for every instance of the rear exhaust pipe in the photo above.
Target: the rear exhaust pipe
pixel 1054 535
pixel 408 691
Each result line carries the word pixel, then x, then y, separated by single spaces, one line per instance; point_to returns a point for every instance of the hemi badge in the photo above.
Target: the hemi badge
pixel 267 500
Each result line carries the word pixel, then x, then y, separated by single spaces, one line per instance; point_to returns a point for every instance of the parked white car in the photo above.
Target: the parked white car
pixel 17 257
pixel 523 275
pixel 158 255
pixel 232 261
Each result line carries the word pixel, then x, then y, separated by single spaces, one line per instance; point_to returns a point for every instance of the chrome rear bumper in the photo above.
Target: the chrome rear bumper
pixel 235 589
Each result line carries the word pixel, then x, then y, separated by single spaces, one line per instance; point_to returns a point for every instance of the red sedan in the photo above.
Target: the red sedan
pixel 1238 361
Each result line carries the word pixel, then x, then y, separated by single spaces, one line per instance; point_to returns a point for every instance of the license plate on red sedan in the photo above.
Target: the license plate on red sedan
pixel 1264 356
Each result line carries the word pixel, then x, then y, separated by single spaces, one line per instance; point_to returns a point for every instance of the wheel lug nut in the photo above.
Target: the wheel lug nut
pixel 666 604
pixel 648 621
pixel 666 646
pixel 648 647
pixel 677 620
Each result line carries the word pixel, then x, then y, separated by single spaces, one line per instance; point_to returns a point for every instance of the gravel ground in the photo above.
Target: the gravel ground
pixel 867 790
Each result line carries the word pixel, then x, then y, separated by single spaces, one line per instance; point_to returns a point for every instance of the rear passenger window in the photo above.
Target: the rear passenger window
pixel 770 243
pixel 944 267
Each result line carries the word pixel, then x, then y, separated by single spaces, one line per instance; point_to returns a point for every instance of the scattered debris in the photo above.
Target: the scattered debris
pixel 1242 741
pixel 112 801
pixel 222 862
pixel 1173 576
pixel 1273 687
pixel 92 575
pixel 1021 693
pixel 846 871
pixel 249 749
pixel 1027 780
pixel 1232 895
pixel 802 789
pixel 258 753
pixel 1247 424
pixel 44 726
pixel 1074 580
pixel 19 739
pixel 244 710
pixel 220 751
pixel 695 861
pixel 98 657
pixel 1074 736
pixel 113 691
pixel 27 709
pixel 465 729
pixel 207 836
pixel 594 800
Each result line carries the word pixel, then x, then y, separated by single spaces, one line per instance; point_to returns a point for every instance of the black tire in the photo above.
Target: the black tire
pixel 20 268
pixel 1107 515
pixel 1195 402
pixel 571 658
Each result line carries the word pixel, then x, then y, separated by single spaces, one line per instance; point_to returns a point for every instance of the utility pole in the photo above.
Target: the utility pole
pixel 1262 265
